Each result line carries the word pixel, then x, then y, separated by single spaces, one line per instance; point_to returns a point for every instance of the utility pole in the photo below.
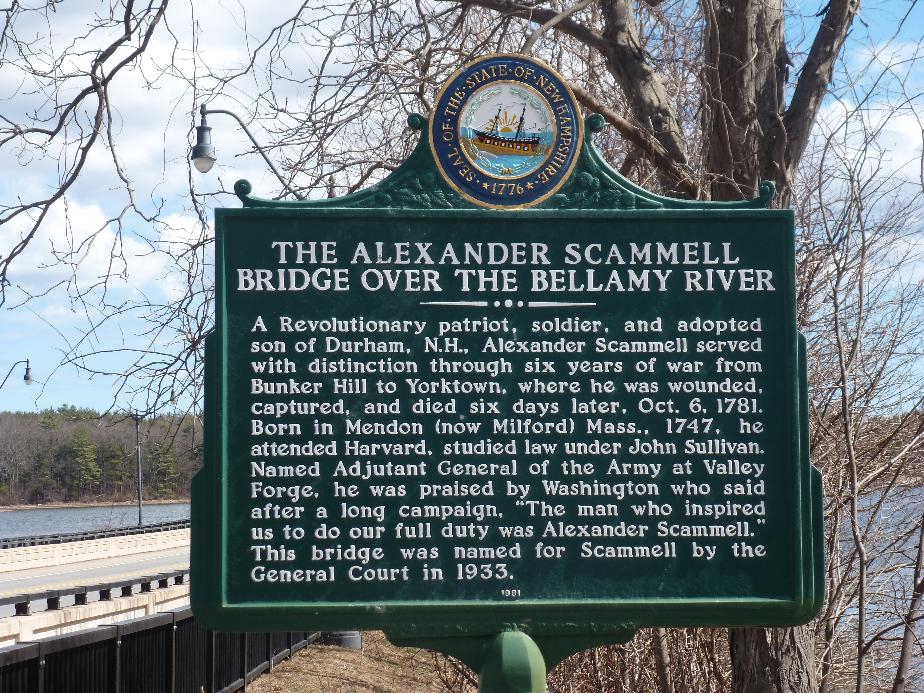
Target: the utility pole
pixel 138 482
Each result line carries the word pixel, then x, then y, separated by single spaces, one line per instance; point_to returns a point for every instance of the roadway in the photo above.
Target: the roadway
pixel 93 572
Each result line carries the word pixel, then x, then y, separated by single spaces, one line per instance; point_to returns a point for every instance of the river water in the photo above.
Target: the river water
pixel 40 521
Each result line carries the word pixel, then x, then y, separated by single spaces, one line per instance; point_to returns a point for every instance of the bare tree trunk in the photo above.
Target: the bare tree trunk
pixel 908 637
pixel 626 671
pixel 744 73
pixel 846 353
pixel 750 659
pixel 793 655
pixel 813 84
pixel 642 84
pixel 662 656
pixel 776 660
pixel 827 660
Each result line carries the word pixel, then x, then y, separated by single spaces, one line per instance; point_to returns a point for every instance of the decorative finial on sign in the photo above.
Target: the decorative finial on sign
pixel 595 122
pixel 243 188
pixel 766 190
pixel 415 121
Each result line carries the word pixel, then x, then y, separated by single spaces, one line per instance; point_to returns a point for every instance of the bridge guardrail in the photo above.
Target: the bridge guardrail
pixel 23 602
pixel 164 653
pixel 17 542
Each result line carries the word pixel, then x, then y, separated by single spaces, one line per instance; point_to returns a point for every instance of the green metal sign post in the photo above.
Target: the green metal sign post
pixel 507 435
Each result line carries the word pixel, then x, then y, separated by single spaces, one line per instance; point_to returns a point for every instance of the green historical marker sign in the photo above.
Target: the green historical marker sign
pixel 451 422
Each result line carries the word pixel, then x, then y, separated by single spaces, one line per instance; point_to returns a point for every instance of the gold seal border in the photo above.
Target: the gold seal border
pixel 565 176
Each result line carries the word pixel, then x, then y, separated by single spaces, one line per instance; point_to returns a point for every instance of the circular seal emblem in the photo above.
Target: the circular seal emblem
pixel 505 131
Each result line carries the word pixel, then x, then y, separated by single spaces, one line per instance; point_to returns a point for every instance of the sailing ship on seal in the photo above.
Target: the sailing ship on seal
pixel 520 144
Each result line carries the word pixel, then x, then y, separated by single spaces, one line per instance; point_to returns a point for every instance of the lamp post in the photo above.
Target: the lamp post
pixel 137 417
pixel 26 378
pixel 203 152
pixel 203 158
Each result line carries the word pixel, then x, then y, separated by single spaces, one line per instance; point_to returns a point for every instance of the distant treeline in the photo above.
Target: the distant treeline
pixel 71 454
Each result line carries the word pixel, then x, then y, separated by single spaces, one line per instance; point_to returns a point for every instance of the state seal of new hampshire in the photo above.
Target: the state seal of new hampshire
pixel 505 131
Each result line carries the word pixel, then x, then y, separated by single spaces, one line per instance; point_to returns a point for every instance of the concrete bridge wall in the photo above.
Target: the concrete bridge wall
pixel 71 619
pixel 47 555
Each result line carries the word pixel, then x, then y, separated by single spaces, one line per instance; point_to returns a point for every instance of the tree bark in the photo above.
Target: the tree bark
pixel 662 656
pixel 744 73
pixel 814 81
pixel 750 660
pixel 680 176
pixel 775 660
pixel 908 636
pixel 643 87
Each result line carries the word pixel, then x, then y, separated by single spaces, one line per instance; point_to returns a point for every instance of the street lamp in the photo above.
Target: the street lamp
pixel 27 378
pixel 203 158
pixel 203 152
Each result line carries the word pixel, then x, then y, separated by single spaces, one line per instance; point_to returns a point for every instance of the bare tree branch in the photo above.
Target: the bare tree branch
pixel 815 78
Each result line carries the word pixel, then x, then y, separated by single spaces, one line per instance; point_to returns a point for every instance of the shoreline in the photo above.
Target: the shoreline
pixel 89 504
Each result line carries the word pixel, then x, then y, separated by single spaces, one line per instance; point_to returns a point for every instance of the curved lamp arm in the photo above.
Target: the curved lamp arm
pixel 27 377
pixel 203 111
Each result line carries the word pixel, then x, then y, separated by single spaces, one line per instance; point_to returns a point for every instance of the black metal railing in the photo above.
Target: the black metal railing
pixel 164 653
pixel 16 542
pixel 107 590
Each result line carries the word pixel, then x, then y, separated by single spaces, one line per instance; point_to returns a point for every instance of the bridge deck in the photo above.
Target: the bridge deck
pixel 93 572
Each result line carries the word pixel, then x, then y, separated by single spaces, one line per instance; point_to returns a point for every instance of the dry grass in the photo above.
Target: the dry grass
pixel 379 668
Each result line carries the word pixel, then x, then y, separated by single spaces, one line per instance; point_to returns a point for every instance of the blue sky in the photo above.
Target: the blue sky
pixel 153 139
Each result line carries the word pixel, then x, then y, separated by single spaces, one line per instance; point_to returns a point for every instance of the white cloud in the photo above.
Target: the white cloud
pixel 889 138
pixel 79 244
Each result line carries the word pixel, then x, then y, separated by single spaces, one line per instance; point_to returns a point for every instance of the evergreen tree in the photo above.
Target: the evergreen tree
pixel 114 467
pixel 164 470
pixel 48 420
pixel 85 465
pixel 39 480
